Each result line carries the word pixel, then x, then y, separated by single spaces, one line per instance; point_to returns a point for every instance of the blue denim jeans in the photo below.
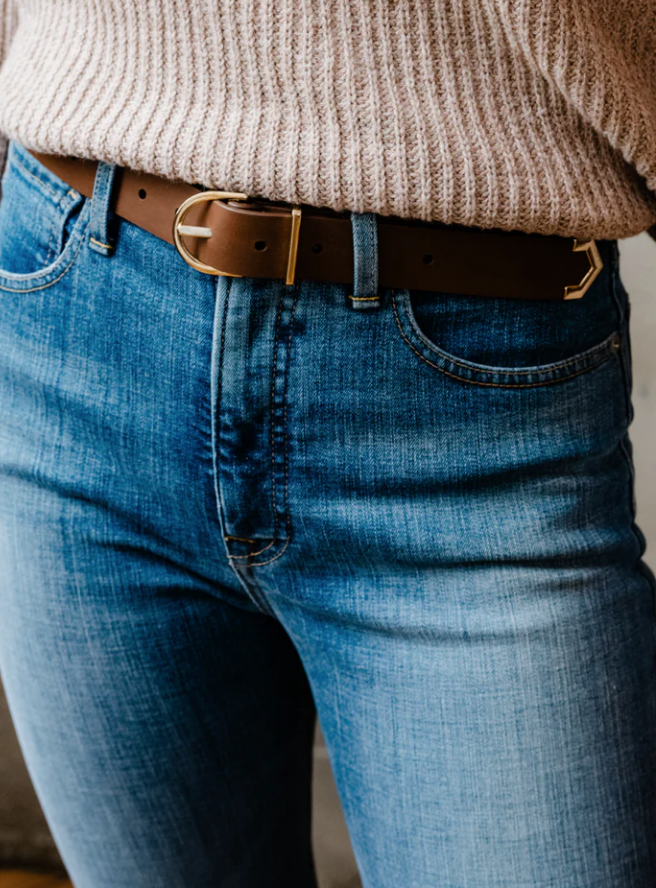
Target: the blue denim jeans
pixel 227 504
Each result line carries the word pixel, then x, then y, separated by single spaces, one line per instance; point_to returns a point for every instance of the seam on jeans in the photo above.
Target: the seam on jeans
pixel 51 249
pixel 231 536
pixel 641 566
pixel 288 528
pixel 607 350
pixel 42 185
pixel 271 439
pixel 50 283
pixel 251 593
pixel 218 414
pixel 614 274
pixel 520 371
pixel 273 558
pixel 626 387
pixel 629 462
pixel 276 539
pixel 624 323
pixel 285 440
pixel 16 159
pixel 253 589
pixel 259 551
pixel 364 298
pixel 269 560
pixel 271 436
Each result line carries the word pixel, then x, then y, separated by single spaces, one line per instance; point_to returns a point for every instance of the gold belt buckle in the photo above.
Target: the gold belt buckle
pixel 589 247
pixel 180 230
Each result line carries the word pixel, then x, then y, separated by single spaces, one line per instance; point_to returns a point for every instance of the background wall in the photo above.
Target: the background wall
pixel 638 270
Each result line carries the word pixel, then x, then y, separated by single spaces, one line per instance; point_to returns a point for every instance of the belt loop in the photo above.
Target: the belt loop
pixel 365 261
pixel 99 239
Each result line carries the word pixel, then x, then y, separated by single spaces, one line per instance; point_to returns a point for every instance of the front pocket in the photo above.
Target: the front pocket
pixel 515 342
pixel 42 224
pixel 483 374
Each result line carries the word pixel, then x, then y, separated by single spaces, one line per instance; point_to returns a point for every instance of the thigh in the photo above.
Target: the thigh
pixel 495 728
pixel 166 722
pixel 468 593
pixel 168 734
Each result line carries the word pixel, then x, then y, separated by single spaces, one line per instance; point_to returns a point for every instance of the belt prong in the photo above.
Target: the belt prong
pixel 293 245
pixel 194 231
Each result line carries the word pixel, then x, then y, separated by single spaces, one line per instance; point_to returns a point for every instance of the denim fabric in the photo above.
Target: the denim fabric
pixel 99 238
pixel 365 261
pixel 225 502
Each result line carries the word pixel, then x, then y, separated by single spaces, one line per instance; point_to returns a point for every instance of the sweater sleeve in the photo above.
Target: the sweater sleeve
pixel 8 19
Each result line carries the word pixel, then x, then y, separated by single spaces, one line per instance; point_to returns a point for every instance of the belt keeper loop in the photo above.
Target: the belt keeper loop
pixel 365 261
pixel 99 239
pixel 293 245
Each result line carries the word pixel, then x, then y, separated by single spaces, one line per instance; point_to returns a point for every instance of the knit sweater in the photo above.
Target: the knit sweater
pixel 537 115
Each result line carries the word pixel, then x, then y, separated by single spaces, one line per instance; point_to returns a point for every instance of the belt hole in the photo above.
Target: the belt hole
pixel 428 259
pixel 317 248
pixel 142 193
pixel 260 245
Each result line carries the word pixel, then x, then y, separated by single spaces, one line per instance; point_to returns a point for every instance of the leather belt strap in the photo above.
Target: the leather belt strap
pixel 263 239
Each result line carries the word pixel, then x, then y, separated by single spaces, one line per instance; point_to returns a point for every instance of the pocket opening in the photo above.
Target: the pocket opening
pixel 41 227
pixel 502 376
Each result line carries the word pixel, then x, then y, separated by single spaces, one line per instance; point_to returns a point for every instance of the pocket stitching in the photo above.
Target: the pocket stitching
pixel 54 268
pixel 605 349
pixel 52 251
pixel 480 368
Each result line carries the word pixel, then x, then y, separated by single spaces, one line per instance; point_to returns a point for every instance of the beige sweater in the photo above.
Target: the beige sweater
pixel 537 115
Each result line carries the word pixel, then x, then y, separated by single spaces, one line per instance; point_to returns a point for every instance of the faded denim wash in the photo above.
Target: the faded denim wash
pixel 226 501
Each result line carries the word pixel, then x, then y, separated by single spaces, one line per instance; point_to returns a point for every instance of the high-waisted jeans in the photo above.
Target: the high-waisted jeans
pixel 228 503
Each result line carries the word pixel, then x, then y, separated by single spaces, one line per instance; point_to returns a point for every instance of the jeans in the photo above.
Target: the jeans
pixel 229 505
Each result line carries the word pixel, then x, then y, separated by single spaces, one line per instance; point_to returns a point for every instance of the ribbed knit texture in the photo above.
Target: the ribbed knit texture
pixel 538 115
pixel 7 26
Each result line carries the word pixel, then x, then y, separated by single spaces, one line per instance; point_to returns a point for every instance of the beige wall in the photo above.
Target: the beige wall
pixel 638 270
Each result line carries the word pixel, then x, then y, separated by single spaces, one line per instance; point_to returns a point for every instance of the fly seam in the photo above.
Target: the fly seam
pixel 271 435
pixel 286 433
pixel 273 558
pixel 286 430
pixel 219 396
pixel 269 560
pixel 273 483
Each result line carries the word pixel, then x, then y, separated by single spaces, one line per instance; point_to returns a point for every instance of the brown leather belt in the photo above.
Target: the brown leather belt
pixel 229 234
